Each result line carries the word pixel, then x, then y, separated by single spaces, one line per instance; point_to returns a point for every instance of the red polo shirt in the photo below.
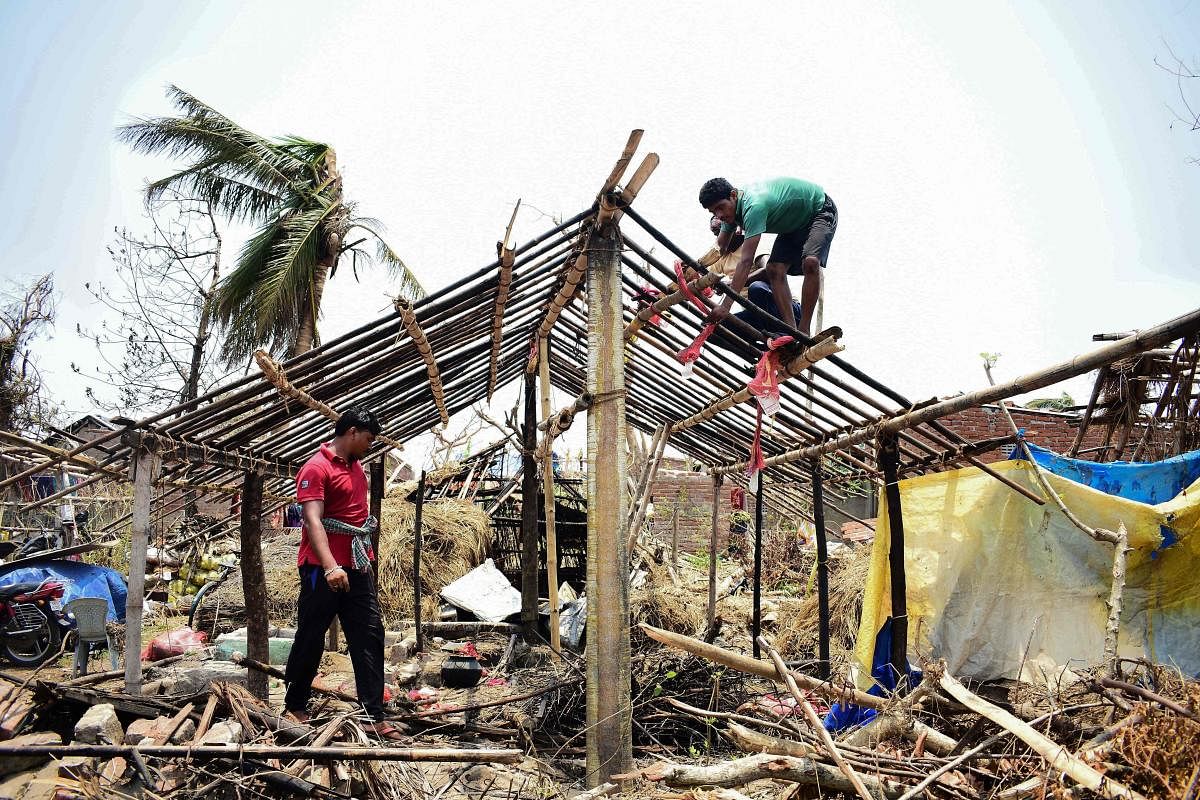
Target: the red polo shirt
pixel 326 476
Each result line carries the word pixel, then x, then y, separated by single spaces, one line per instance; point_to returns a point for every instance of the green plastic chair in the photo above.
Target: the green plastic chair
pixel 91 614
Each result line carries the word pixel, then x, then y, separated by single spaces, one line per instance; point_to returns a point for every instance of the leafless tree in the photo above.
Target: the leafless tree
pixel 26 311
pixel 156 348
pixel 1187 80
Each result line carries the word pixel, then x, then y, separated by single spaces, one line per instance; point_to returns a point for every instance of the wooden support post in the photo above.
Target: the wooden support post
pixel 144 467
pixel 712 552
pixel 889 459
pixel 756 619
pixel 417 542
pixel 548 493
pixel 675 532
pixel 1086 419
pixel 818 494
pixel 609 720
pixel 529 511
pixel 254 582
pixel 646 487
pixel 378 480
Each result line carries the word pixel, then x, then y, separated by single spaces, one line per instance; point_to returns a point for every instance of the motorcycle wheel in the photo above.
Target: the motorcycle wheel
pixel 34 648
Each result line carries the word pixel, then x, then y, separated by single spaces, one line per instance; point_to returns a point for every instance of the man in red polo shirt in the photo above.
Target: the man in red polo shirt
pixel 335 569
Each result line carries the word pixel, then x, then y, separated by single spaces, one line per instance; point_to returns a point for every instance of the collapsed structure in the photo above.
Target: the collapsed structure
pixel 586 307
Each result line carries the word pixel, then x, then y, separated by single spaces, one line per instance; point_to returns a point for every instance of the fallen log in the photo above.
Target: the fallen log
pixel 935 741
pixel 276 672
pixel 754 742
pixel 752 768
pixel 1058 757
pixel 208 752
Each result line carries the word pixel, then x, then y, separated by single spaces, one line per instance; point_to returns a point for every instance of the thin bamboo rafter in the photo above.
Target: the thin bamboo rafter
pixel 506 256
pixel 405 308
pixel 274 373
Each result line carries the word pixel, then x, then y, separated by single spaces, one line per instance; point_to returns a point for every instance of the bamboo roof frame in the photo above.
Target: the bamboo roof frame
pixel 455 356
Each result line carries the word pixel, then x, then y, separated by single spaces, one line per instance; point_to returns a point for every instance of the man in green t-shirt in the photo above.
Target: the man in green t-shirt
pixel 804 220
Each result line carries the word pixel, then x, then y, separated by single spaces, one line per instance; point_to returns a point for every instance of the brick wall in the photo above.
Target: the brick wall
pixel 690 493
pixel 1049 429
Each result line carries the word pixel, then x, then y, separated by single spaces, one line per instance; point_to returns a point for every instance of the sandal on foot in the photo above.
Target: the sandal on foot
pixel 388 732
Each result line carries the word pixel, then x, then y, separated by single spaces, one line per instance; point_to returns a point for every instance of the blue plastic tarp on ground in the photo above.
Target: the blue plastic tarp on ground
pixel 847 715
pixel 1150 483
pixel 78 579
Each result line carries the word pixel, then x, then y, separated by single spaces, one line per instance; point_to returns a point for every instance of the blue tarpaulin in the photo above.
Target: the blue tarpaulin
pixel 1150 482
pixel 78 579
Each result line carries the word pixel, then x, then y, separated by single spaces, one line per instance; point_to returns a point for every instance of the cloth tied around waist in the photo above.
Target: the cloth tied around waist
pixel 361 540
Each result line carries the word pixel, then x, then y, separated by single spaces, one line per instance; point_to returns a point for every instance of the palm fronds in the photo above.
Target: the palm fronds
pixel 291 187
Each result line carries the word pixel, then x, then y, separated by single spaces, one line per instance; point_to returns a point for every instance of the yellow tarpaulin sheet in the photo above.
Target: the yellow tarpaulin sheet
pixel 999 586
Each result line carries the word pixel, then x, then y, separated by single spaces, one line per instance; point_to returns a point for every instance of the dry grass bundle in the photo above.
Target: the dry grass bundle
pixel 659 602
pixel 847 577
pixel 1162 750
pixel 456 538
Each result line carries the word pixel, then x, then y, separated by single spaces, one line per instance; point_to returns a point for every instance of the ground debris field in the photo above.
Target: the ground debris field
pixel 709 721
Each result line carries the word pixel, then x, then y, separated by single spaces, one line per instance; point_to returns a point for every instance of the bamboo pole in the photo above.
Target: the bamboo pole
pixel 556 424
pixel 814 722
pixel 712 554
pixel 238 752
pixel 548 492
pixel 609 720
pixel 417 544
pixel 1143 340
pixel 756 617
pixel 809 356
pixel 818 500
pixel 529 512
pixel 409 320
pixel 647 489
pixel 254 586
pixel 505 256
pixel 889 459
pixel 144 466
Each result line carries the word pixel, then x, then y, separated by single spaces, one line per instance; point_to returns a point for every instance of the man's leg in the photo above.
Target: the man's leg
pixel 777 276
pixel 810 290
pixel 361 620
pixel 314 612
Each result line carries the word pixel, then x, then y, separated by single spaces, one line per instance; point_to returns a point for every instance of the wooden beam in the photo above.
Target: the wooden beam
pixel 818 500
pixel 529 512
pixel 548 493
pixel 409 320
pixel 417 544
pixel 889 459
pixel 144 466
pixel 254 582
pixel 712 552
pixel 609 720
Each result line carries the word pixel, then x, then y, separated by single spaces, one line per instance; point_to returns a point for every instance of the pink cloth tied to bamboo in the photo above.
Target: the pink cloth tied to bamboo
pixel 691 353
pixel 687 290
pixel 649 294
pixel 765 384
pixel 756 462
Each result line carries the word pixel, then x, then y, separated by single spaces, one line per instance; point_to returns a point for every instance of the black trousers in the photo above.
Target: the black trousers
pixel 358 611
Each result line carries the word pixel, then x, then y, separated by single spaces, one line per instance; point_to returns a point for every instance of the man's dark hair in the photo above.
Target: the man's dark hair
pixel 357 417
pixel 714 191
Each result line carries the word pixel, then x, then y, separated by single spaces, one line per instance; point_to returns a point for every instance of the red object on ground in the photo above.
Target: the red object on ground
pixel 173 643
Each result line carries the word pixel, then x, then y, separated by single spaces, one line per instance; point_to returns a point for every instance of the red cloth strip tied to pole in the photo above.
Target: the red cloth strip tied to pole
pixel 648 295
pixel 691 353
pixel 756 462
pixel 687 291
pixel 765 384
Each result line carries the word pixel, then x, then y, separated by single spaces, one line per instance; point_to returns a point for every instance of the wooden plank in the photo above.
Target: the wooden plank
pixel 548 495
pixel 609 731
pixel 144 466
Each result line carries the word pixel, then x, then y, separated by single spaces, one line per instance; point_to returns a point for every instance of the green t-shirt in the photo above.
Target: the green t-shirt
pixel 778 205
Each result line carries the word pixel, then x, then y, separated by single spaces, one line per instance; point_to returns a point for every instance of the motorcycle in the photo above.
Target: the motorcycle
pixel 31 627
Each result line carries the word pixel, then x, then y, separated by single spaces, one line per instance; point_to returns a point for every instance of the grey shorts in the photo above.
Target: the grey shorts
pixel 793 247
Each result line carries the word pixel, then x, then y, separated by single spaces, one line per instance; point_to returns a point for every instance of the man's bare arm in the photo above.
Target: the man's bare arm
pixel 741 275
pixel 723 239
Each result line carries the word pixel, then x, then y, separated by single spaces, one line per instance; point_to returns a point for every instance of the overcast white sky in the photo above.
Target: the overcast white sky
pixel 1006 175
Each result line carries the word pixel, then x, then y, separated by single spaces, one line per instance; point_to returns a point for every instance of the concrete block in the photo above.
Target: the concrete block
pixel 99 725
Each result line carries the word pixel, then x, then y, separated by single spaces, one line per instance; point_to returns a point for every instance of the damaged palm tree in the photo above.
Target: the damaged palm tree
pixel 292 189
